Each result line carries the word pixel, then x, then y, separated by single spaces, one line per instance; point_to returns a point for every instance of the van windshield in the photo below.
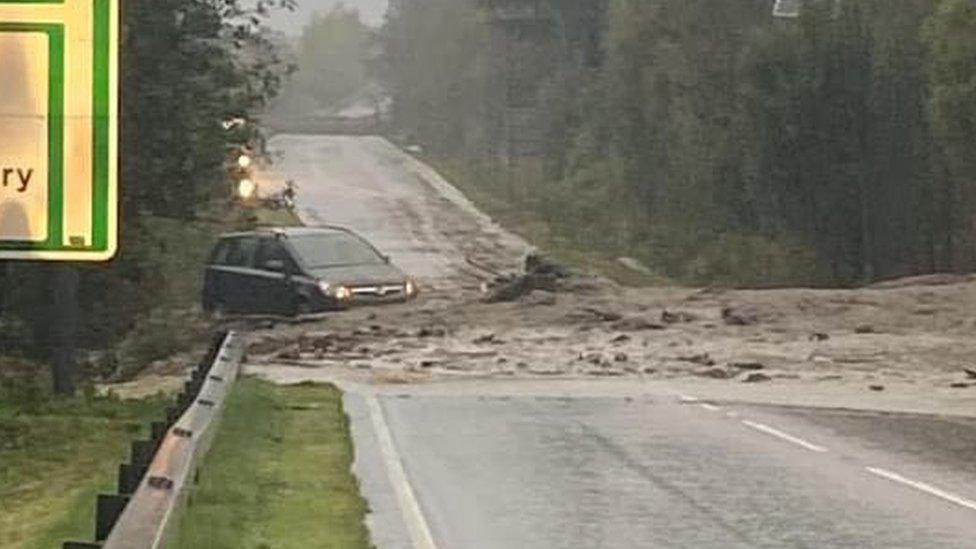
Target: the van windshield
pixel 334 250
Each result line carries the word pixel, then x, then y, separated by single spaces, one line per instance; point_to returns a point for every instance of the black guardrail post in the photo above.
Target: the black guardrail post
pixel 129 478
pixel 107 512
pixel 109 507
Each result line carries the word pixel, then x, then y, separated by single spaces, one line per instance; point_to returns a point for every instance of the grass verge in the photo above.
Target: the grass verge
pixel 522 218
pixel 55 457
pixel 279 474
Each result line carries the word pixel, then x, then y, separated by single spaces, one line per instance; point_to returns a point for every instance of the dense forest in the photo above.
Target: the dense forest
pixel 712 140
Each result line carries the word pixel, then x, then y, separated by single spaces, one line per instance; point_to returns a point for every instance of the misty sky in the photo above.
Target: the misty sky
pixel 292 22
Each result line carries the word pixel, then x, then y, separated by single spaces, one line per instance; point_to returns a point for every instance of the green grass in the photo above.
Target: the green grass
pixel 517 210
pixel 582 228
pixel 55 457
pixel 279 475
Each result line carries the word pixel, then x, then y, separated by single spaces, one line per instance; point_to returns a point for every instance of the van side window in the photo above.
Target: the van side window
pixel 241 251
pixel 219 256
pixel 272 249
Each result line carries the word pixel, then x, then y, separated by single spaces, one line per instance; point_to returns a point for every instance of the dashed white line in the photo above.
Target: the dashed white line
pixel 780 434
pixel 709 407
pixel 685 399
pixel 412 515
pixel 732 414
pixel 921 486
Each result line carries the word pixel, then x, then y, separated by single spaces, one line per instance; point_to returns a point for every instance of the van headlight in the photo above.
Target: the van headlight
pixel 410 288
pixel 341 293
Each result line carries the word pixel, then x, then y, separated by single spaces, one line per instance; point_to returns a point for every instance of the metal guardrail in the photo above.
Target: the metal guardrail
pixel 155 485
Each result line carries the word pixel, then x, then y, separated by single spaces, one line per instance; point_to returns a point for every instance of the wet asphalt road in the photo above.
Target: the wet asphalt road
pixel 570 465
pixel 567 470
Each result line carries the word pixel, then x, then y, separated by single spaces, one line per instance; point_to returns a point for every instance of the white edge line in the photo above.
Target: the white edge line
pixel 780 434
pixel 412 515
pixel 931 490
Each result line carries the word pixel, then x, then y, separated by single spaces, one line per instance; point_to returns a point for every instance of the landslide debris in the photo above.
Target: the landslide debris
pixel 547 321
pixel 540 274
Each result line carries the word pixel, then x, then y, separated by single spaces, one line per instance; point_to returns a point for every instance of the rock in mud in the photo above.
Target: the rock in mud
pixel 748 366
pixel 864 329
pixel 536 263
pixel 540 274
pixel 636 324
pixel 593 358
pixel 620 339
pixel 677 317
pixel 733 317
pixel 703 359
pixel 487 339
pixel 431 331
pixel 714 373
pixel 970 373
pixel 819 336
pixel 539 298
pixel 876 388
pixel 603 316
pixel 756 377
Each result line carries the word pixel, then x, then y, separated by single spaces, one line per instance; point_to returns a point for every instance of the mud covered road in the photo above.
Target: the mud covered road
pixel 571 412
pixel 899 335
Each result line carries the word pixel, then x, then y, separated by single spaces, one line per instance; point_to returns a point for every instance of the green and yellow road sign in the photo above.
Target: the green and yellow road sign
pixel 58 129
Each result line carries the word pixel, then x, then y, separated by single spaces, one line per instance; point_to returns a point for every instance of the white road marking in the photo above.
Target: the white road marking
pixel 921 486
pixel 780 434
pixel 732 414
pixel 412 515
pixel 685 399
pixel 709 407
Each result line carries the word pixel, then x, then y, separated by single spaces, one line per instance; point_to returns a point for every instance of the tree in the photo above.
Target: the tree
pixel 950 35
pixel 434 68
pixel 715 141
pixel 331 56
pixel 187 66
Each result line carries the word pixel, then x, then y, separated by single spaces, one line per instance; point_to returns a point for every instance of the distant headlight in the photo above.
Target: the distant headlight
pixel 410 287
